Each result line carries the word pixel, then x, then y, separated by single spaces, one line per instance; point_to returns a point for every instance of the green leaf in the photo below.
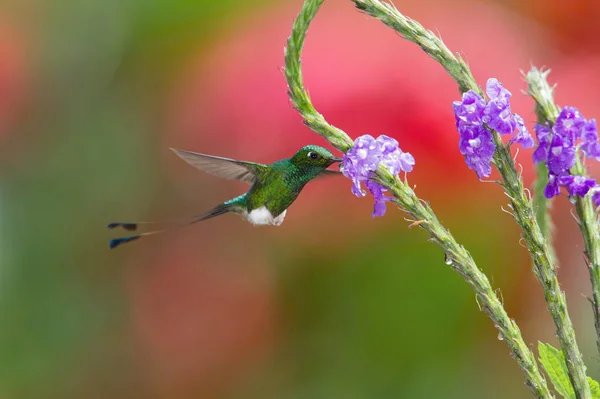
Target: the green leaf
pixel 555 366
pixel 594 387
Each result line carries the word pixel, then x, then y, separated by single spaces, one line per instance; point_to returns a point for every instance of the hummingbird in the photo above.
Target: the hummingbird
pixel 274 187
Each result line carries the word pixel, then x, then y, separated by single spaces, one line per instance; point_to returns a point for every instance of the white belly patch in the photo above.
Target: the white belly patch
pixel 262 217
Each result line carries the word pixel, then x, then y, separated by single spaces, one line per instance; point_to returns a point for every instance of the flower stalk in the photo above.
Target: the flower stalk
pixel 512 183
pixel 542 207
pixel 456 256
pixel 547 111
pixel 541 204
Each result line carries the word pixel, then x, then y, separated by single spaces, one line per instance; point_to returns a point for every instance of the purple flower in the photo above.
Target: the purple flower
pixel 558 147
pixel 590 132
pixel 377 191
pixel 495 90
pixel 476 142
pixel 360 161
pixel 590 146
pixel 596 196
pixel 497 113
pixel 591 150
pixel 407 161
pixel 364 158
pixel 561 156
pixel 477 145
pixel 577 185
pixel 523 136
pixel 544 136
pixel 552 189
pixel 569 125
pixel 470 110
pixel 393 157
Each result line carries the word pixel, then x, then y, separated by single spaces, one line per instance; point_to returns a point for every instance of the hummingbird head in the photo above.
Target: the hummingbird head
pixel 314 157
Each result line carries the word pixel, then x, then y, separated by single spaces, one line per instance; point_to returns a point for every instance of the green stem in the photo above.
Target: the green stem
pixel 457 257
pixel 413 31
pixel 590 230
pixel 589 225
pixel 511 181
pixel 544 271
pixel 542 206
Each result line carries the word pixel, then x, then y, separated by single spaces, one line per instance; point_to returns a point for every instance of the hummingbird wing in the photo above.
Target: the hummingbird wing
pixel 225 168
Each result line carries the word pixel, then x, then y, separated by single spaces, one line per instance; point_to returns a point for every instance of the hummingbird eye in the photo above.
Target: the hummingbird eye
pixel 313 155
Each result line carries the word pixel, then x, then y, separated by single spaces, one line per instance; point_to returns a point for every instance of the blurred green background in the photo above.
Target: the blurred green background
pixel 332 304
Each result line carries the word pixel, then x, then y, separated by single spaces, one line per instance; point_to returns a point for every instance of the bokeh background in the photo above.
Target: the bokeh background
pixel 332 304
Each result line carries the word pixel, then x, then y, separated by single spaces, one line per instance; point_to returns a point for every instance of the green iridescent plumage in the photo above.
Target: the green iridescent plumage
pixel 273 188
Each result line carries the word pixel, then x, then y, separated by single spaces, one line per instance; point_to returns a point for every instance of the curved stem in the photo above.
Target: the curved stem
pixel 296 91
pixel 589 225
pixel 511 181
pixel 457 257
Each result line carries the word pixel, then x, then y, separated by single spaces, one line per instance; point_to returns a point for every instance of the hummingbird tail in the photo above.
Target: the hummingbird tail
pixel 216 211
pixel 133 226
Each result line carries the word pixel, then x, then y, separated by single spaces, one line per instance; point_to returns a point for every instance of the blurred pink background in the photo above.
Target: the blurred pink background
pixel 330 304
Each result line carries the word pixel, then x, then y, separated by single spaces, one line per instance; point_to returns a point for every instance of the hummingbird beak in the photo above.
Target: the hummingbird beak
pixel 336 159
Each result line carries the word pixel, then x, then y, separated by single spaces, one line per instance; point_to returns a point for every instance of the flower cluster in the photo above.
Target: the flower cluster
pixel 558 148
pixel 365 157
pixel 476 141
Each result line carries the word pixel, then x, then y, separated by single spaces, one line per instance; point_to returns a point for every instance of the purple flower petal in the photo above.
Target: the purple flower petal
pixel 379 207
pixel 552 189
pixel 561 156
pixel 387 143
pixel 590 131
pixel 558 148
pixel 596 196
pixel 357 189
pixel 364 158
pixel 495 90
pixel 543 133
pixel 591 150
pixel 407 161
pixel 523 136
pixel 569 125
pixel 360 161
pixel 497 114
pixel 391 154
pixel 470 109
pixel 477 145
pixel 392 157
pixel 540 154
pixel 591 146
pixel 544 136
pixel 577 185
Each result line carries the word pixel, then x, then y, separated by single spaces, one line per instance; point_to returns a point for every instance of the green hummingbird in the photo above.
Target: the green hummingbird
pixel 273 189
